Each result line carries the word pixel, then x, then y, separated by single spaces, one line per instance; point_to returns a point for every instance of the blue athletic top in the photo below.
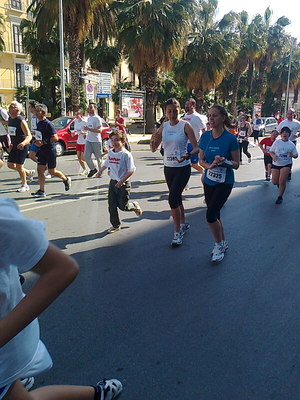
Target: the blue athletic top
pixel 221 146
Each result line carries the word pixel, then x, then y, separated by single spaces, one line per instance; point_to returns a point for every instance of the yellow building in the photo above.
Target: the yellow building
pixel 12 59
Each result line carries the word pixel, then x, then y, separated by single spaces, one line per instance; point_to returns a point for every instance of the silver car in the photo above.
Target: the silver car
pixel 268 125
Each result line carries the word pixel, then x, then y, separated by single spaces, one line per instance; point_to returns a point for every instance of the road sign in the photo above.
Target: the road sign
pixel 89 91
pixel 104 85
pixel 28 75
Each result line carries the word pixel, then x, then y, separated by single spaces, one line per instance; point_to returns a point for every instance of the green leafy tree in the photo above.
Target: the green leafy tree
pixel 81 19
pixel 151 33
pixel 210 50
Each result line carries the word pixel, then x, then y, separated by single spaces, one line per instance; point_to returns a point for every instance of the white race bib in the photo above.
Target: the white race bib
pixel 171 158
pixel 217 174
pixel 12 130
pixel 38 135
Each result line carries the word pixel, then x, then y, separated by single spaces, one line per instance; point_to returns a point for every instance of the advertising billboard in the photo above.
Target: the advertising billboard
pixel 132 104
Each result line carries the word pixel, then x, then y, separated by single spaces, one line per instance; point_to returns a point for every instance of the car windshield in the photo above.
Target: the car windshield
pixel 61 122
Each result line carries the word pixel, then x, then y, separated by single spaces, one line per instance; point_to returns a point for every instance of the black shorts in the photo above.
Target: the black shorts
pixel 17 156
pixel 282 166
pixel 47 156
pixel 267 160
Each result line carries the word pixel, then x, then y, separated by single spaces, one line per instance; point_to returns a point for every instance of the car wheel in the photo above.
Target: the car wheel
pixel 60 148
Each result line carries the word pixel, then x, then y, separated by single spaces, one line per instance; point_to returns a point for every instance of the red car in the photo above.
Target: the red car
pixel 65 128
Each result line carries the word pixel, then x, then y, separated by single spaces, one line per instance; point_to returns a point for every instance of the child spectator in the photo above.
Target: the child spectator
pixel 121 166
pixel 21 350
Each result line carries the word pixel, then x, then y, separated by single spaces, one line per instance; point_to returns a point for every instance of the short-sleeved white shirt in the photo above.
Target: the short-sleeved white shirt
pixel 94 121
pixel 281 150
pixel 119 163
pixel 79 127
pixel 23 243
pixel 197 124
pixel 294 126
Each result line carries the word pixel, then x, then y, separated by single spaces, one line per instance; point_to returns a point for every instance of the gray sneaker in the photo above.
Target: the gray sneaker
pixel 108 389
pixel 67 183
pixel 177 239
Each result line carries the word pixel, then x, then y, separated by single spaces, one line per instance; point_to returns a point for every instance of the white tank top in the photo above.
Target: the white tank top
pixel 174 141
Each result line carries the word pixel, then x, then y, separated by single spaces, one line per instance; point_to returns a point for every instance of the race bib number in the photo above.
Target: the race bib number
pixel 217 174
pixel 12 130
pixel 172 158
pixel 283 156
pixel 38 135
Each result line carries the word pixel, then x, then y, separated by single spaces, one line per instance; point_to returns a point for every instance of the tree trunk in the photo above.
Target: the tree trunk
pixel 261 76
pixel 250 78
pixel 296 94
pixel 151 82
pixel 235 89
pixel 75 65
pixel 199 94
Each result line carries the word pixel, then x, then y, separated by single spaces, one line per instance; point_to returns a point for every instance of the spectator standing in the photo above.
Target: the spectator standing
pixel 93 144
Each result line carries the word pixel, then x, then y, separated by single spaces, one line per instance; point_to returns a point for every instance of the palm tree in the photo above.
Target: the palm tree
pixel 2 29
pixel 151 33
pixel 275 38
pixel 81 18
pixel 208 54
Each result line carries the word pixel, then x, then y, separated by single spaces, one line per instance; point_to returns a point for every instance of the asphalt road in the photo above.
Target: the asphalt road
pixel 167 322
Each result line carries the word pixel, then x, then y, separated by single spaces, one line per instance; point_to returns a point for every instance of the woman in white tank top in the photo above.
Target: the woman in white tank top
pixel 174 135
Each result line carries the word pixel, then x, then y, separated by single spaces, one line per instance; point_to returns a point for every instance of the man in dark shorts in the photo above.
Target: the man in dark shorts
pixel 20 137
pixel 45 137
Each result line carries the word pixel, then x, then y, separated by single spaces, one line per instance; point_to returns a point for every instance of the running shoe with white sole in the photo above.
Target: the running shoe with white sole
pixel 218 252
pixel 177 239
pixel 137 209
pixel 29 178
pixel 184 227
pixel 39 193
pixel 23 188
pixel 108 389
pixel 113 229
pixel 27 382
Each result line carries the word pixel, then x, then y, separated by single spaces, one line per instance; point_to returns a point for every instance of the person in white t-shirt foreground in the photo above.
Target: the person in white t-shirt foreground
pixel 121 167
pixel 93 144
pixel 79 124
pixel 22 353
pixel 282 153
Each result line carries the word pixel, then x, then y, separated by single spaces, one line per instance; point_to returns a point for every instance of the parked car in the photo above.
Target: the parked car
pixel 268 125
pixel 65 128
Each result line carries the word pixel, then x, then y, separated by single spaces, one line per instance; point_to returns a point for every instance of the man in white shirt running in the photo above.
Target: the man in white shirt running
pixel 93 143
pixel 198 124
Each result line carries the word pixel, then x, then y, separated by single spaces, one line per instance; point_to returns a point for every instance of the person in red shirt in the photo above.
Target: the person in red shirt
pixel 265 146
pixel 120 121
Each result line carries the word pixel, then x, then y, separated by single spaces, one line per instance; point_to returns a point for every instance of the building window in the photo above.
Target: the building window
pixel 17 39
pixel 19 75
pixel 16 4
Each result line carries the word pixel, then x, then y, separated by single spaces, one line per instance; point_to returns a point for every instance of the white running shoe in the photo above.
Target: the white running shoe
pixel 218 252
pixel 113 229
pixel 177 239
pixel 184 227
pixel 48 175
pixel 138 210
pixel 23 188
pixel 29 177
pixel 27 382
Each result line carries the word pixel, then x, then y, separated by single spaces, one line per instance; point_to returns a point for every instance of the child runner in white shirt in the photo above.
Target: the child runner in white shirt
pixel 121 166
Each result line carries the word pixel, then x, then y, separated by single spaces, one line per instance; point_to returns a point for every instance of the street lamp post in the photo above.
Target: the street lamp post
pixel 62 60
